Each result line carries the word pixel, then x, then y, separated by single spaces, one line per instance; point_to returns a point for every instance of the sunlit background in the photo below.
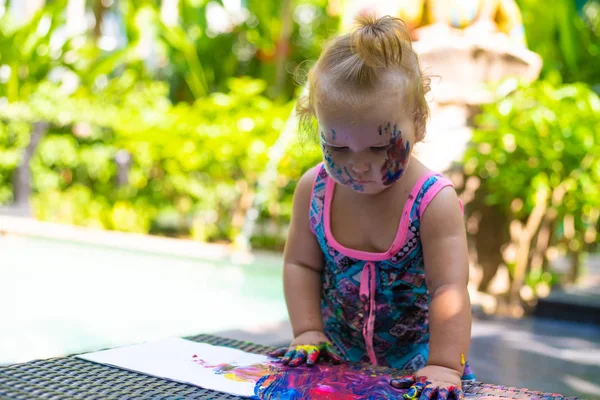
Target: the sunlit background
pixel 149 153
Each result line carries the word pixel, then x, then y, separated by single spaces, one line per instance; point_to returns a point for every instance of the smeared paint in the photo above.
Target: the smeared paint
pixel 397 156
pixel 348 381
pixel 343 381
pixel 333 134
pixel 335 169
pixel 462 359
pixel 250 373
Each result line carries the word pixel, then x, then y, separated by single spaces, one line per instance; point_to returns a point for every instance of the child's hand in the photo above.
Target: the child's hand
pixel 307 347
pixel 431 383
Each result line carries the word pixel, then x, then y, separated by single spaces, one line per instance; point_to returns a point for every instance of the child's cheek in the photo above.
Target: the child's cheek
pixel 396 160
pixel 336 167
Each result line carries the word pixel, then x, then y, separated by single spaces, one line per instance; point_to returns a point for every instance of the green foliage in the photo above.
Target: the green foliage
pixel 194 161
pixel 28 54
pixel 568 41
pixel 14 137
pixel 539 146
pixel 275 213
pixel 197 139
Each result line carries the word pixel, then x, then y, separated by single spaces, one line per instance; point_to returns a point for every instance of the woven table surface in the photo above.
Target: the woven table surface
pixel 73 378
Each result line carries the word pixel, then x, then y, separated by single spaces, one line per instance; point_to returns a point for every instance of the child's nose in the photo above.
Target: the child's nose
pixel 360 167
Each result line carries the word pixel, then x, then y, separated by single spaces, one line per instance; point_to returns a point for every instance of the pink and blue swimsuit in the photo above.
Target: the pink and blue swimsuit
pixel 375 306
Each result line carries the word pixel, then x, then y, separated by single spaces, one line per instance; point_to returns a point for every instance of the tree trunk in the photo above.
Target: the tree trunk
pixel 492 234
pixel 283 44
pixel 575 270
pixel 99 11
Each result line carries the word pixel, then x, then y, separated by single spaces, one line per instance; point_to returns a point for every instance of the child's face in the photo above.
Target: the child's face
pixel 367 151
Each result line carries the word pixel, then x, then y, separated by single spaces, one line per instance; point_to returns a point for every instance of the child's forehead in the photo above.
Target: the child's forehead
pixel 373 115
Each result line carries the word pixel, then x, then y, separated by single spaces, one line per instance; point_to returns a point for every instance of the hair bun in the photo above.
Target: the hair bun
pixel 378 41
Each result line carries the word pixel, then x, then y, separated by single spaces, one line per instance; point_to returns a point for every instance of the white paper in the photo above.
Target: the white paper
pixel 174 359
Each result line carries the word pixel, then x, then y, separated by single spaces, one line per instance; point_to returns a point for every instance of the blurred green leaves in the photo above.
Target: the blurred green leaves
pixel 567 39
pixel 193 161
pixel 539 147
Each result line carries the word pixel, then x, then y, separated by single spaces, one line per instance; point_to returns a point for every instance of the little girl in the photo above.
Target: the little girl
pixel 376 263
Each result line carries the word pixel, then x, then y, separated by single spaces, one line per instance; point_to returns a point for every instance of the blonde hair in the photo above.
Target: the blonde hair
pixel 353 64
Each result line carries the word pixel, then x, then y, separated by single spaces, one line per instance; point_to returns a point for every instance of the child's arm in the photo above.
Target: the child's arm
pixel 447 272
pixel 303 262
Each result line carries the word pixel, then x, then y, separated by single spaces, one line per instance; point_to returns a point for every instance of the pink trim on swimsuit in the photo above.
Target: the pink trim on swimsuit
pixel 312 193
pixel 432 192
pixel 400 233
pixel 368 288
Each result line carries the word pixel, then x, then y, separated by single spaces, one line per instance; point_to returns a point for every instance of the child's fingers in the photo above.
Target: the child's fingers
pixel 429 392
pixel 289 355
pixel 331 353
pixel 299 358
pixel 443 394
pixel 456 393
pixel 404 382
pixel 280 352
pixel 416 389
pixel 312 356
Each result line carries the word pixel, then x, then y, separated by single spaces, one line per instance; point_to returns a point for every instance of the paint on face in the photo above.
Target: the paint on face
pixel 397 155
pixel 335 169
pixel 393 157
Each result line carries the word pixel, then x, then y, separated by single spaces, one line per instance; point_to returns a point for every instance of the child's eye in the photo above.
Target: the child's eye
pixel 380 148
pixel 339 149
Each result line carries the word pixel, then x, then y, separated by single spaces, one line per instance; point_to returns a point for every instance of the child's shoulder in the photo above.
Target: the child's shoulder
pixel 439 199
pixel 305 184
pixel 437 192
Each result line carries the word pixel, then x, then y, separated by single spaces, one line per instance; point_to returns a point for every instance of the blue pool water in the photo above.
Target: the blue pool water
pixel 61 298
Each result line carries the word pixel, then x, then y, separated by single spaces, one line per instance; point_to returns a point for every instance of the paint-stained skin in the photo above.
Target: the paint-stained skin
pixel 335 169
pixel 397 155
pixel 391 160
pixel 297 355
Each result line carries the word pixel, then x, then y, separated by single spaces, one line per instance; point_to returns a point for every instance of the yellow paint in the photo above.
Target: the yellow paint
pixel 309 348
pixel 462 359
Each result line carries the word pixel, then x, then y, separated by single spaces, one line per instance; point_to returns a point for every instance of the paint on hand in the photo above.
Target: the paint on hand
pixel 462 359
pixel 300 356
pixel 416 389
pixel 313 355
pixel 457 392
pixel 443 394
pixel 289 355
pixel 404 382
pixel 428 392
